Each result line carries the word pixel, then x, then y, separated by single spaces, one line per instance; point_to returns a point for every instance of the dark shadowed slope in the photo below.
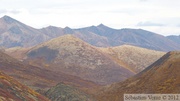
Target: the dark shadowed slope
pixel 73 56
pixel 63 92
pixel 161 77
pixel 12 90
pixel 38 78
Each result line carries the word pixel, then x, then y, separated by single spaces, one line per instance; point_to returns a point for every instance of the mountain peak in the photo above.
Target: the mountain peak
pixel 65 39
pixel 5 16
pixel 67 27
pixel 68 30
pixel 101 25
pixel 8 19
pixel 68 36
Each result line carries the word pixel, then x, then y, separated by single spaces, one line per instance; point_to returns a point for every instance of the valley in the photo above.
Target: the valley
pixel 95 63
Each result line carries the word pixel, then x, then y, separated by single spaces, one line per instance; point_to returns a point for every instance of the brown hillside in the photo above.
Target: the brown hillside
pixel 11 90
pixel 73 56
pixel 134 58
pixel 161 77
pixel 17 52
pixel 36 77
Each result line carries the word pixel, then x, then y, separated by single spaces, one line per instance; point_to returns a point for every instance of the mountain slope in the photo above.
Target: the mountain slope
pixel 52 31
pixel 104 36
pixel 160 77
pixel 134 58
pixel 73 56
pixel 136 37
pixel 11 90
pixel 62 92
pixel 38 78
pixel 16 52
pixel 14 33
pixel 174 38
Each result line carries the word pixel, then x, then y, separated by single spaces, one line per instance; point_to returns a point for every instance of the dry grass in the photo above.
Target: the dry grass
pixel 75 57
pixel 11 90
pixel 134 58
pixel 161 77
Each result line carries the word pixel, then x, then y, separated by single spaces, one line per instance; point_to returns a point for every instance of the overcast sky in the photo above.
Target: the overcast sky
pixel 160 16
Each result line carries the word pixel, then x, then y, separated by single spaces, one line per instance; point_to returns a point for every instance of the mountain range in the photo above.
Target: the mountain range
pixel 136 37
pixel 73 56
pixel 162 77
pixel 95 63
pixel 14 33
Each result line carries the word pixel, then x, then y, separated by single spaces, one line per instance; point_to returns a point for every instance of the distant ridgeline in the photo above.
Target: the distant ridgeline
pixel 14 33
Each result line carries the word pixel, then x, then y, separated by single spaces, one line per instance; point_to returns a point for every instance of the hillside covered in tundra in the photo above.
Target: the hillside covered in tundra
pixel 12 90
pixel 162 77
pixel 95 63
pixel 73 56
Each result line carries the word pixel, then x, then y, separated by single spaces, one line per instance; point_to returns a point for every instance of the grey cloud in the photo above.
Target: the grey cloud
pixel 3 11
pixel 149 24
pixel 14 11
